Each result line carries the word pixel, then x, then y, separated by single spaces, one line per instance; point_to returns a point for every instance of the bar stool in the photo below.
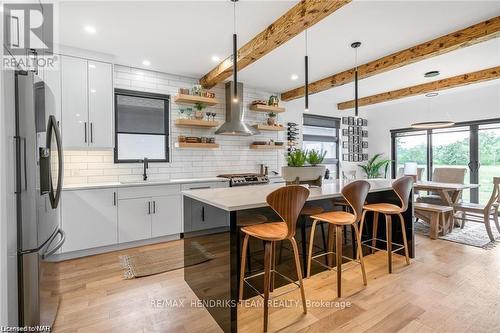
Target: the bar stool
pixel 245 220
pixel 287 202
pixel 355 194
pixel 402 188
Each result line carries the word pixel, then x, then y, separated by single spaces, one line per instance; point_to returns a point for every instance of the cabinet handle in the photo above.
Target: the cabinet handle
pixel 91 133
pixel 203 213
pixel 199 188
pixel 85 124
pixel 149 207
pixel 154 207
pixel 114 198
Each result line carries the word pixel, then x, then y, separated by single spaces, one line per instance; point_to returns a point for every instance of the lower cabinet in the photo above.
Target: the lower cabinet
pixel 134 219
pixel 167 216
pixel 144 218
pixel 89 218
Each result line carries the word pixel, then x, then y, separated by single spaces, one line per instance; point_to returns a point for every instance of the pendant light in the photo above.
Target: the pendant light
pixel 437 123
pixel 235 55
pixel 355 46
pixel 306 79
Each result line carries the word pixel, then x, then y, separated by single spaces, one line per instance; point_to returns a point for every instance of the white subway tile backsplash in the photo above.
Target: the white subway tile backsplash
pixel 234 154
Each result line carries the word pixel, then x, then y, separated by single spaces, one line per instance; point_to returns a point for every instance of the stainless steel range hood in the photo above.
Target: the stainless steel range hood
pixel 234 124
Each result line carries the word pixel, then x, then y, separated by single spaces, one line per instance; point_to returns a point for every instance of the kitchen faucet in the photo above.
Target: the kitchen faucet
pixel 146 166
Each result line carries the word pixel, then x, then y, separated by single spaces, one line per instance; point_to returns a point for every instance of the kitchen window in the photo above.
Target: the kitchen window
pixel 141 126
pixel 321 133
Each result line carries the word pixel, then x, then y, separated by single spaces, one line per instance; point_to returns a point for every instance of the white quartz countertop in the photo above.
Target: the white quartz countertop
pixel 72 187
pixel 247 197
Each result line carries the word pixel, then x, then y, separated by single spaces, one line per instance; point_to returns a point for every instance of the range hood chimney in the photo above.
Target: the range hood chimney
pixel 234 124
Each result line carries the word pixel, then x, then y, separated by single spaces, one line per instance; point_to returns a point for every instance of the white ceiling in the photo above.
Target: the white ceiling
pixel 181 37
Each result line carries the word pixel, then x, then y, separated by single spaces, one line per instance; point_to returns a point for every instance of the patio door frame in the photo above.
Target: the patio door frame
pixel 473 165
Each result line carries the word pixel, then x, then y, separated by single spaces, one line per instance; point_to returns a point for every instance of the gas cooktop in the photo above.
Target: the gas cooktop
pixel 242 179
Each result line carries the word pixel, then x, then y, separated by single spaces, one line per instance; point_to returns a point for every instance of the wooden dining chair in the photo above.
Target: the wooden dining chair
pixel 402 187
pixel 482 213
pixel 287 202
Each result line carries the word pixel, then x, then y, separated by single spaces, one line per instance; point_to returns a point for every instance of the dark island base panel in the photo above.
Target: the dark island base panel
pixel 216 281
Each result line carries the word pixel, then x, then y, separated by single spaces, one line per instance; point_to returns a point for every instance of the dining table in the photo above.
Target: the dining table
pixel 450 193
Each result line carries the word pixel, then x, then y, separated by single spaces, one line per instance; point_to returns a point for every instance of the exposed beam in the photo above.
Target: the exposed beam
pixel 474 34
pixel 451 82
pixel 300 17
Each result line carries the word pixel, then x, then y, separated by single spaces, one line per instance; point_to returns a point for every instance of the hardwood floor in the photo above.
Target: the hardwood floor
pixel 448 288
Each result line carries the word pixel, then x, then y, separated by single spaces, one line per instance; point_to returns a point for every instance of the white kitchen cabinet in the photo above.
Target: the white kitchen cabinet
pixel 100 99
pixel 74 102
pixel 89 218
pixel 134 216
pixel 167 216
pixel 87 103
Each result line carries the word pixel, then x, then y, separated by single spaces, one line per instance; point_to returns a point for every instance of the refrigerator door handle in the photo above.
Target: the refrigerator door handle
pixel 20 148
pixel 54 130
pixel 58 245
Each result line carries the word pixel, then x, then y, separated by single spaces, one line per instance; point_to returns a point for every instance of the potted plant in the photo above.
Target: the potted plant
pixel 373 166
pixel 198 114
pixel 271 118
pixel 297 170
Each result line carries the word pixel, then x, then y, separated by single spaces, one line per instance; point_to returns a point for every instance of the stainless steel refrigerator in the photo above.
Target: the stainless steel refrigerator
pixel 39 175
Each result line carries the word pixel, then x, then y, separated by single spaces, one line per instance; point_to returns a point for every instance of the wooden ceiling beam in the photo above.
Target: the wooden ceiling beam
pixel 443 84
pixel 474 34
pixel 300 17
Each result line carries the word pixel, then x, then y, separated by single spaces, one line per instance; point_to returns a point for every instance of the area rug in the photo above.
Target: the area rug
pixel 473 234
pixel 163 260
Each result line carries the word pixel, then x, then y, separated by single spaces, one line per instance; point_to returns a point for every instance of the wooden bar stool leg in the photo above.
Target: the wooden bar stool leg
pixel 374 232
pixel 299 273
pixel 338 252
pixel 303 244
pixel 361 225
pixel 360 252
pixel 405 241
pixel 273 265
pixel 267 281
pixel 388 235
pixel 242 268
pixel 323 236
pixel 309 257
pixel 331 229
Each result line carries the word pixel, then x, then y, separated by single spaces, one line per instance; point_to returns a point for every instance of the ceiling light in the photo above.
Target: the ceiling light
pixel 146 63
pixel 89 29
pixel 431 74
pixel 294 77
pixel 355 46
pixel 433 124
pixel 431 94
pixel 215 58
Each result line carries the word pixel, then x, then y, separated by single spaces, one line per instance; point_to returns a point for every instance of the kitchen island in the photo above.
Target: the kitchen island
pixel 211 224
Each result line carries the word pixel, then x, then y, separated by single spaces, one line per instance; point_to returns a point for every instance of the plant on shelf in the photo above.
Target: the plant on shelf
pixel 199 110
pixel 373 166
pixel 271 118
pixel 315 157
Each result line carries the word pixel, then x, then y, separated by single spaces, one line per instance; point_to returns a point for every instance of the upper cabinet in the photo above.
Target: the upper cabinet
pixel 87 103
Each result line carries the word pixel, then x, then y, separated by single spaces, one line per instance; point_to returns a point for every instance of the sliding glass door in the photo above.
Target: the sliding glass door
pixel 489 159
pixel 451 149
pixel 474 146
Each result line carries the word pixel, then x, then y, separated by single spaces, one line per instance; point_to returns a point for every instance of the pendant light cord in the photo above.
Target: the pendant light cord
pixel 356 82
pixel 235 55
pixel 306 78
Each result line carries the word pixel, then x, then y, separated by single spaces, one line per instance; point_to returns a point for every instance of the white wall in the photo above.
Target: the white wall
pixel 234 154
pixel 461 104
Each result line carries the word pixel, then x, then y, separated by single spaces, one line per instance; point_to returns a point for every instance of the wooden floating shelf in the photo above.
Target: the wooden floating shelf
pixel 196 123
pixel 192 99
pixel 267 147
pixel 266 108
pixel 263 127
pixel 196 145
